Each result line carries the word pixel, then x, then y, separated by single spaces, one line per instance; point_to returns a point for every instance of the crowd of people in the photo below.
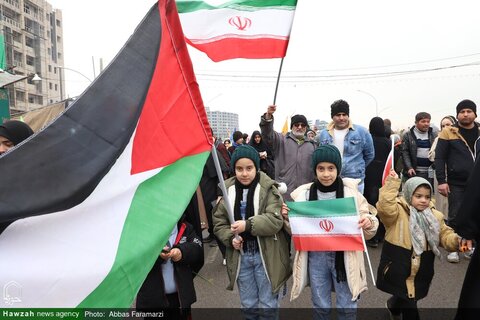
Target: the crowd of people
pixel 428 200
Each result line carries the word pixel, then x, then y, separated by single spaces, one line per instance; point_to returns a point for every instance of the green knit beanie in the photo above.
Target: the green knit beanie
pixel 245 151
pixel 327 153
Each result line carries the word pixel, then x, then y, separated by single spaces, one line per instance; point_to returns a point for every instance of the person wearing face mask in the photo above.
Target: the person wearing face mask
pixel 292 152
pixel 354 142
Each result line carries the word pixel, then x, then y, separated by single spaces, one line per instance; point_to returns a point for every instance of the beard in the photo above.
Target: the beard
pixel 299 134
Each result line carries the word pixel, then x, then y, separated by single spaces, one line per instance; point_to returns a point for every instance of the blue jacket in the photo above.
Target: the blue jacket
pixel 358 150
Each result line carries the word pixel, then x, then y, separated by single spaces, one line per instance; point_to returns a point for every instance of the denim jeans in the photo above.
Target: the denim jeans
pixel 256 296
pixel 323 280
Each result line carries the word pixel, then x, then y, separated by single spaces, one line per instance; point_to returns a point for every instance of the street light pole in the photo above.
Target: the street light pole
pixel 61 78
pixel 371 95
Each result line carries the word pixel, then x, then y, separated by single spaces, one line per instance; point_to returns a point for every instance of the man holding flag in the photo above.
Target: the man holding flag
pixel 328 240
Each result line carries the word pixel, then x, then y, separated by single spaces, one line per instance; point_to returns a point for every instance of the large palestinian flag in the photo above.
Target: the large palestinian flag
pixel 87 204
pixel 253 29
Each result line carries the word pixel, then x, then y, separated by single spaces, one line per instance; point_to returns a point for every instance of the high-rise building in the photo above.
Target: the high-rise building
pixel 33 36
pixel 223 123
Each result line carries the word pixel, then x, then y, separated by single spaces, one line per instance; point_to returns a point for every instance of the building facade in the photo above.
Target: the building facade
pixel 223 123
pixel 33 33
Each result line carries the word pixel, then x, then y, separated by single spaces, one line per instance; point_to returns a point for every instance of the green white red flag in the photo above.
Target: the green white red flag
pixel 252 29
pixel 325 225
pixel 88 203
pixel 388 163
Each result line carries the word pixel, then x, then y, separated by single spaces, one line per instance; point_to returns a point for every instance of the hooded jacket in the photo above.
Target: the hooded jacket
pixel 354 264
pixel 266 225
pixel 401 272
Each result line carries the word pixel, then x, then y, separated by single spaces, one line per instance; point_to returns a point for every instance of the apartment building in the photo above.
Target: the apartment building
pixel 222 123
pixel 33 36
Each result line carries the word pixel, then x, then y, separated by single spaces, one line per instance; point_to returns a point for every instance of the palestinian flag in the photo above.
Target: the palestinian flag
pixel 325 225
pixel 252 29
pixel 389 163
pixel 88 203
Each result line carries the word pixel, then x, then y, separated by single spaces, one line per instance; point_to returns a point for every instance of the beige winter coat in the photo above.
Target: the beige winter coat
pixel 354 264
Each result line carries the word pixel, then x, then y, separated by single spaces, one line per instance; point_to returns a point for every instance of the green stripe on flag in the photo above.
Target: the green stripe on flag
pixel 185 6
pixel 157 205
pixel 323 208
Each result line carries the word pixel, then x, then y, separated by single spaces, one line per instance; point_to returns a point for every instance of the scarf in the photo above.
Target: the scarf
pixel 424 227
pixel 249 210
pixel 337 186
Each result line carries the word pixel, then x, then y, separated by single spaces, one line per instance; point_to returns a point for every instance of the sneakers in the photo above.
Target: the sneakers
pixel 453 257
pixel 224 262
pixel 468 254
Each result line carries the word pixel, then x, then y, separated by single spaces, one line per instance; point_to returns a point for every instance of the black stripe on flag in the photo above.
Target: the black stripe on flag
pixel 60 166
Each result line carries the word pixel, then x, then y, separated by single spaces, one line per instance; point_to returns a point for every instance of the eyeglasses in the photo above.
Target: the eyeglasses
pixel 299 125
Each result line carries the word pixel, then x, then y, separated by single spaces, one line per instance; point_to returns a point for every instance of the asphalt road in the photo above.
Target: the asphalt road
pixel 214 301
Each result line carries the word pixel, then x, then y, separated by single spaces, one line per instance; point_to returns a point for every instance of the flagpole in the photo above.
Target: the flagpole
pixel 368 259
pixel 278 81
pixel 221 183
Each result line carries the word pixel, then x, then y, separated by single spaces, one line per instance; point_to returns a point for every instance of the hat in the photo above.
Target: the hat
pixel 411 185
pixel 327 153
pixel 15 131
pixel 245 151
pixel 340 106
pixel 467 104
pixel 298 118
pixel 237 135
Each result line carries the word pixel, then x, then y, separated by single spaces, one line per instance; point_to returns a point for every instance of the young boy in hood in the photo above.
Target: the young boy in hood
pixel 414 233
pixel 264 267
pixel 326 271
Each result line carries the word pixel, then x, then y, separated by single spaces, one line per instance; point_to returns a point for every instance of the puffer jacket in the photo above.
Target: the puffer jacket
pixel 266 225
pixel 401 272
pixel 409 149
pixel 354 264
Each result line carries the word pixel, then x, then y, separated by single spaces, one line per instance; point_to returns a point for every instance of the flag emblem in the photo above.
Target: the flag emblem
pixel 326 225
pixel 241 23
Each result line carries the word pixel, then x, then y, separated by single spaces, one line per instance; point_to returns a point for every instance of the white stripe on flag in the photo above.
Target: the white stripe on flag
pixel 209 24
pixel 343 225
pixel 70 261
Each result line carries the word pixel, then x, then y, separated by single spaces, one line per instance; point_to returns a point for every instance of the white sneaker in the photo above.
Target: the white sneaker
pixel 468 254
pixel 453 257
pixel 224 262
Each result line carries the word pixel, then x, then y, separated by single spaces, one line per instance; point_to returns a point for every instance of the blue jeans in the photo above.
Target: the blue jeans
pixel 323 279
pixel 256 296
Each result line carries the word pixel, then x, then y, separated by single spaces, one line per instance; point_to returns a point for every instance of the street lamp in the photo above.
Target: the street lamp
pixel 371 95
pixel 61 79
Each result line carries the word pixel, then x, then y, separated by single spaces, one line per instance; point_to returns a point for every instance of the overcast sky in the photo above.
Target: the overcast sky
pixel 365 41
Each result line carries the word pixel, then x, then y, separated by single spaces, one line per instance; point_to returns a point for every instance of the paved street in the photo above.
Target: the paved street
pixel 439 304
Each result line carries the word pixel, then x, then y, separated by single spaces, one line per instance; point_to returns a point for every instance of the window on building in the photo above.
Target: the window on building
pixel 59 24
pixel 59 39
pixel 50 86
pixel 17 36
pixel 29 42
pixel 49 50
pixel 49 68
pixel 30 60
pixel 56 87
pixel 48 34
pixel 20 95
pixel 59 55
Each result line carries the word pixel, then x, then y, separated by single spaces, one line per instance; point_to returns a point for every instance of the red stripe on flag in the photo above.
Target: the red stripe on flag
pixel 232 48
pixel 388 167
pixel 173 105
pixel 328 243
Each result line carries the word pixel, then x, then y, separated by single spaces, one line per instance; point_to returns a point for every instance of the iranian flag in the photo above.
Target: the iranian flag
pixel 389 163
pixel 252 29
pixel 325 225
pixel 87 203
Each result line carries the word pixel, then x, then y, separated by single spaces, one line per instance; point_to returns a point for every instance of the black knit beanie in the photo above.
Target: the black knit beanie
pixel 298 118
pixel 245 151
pixel 237 135
pixel 340 106
pixel 327 153
pixel 15 131
pixel 467 104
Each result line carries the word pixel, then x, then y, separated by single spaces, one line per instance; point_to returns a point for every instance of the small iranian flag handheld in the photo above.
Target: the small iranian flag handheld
pixel 325 225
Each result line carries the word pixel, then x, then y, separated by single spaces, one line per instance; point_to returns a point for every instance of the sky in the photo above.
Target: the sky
pixel 343 49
